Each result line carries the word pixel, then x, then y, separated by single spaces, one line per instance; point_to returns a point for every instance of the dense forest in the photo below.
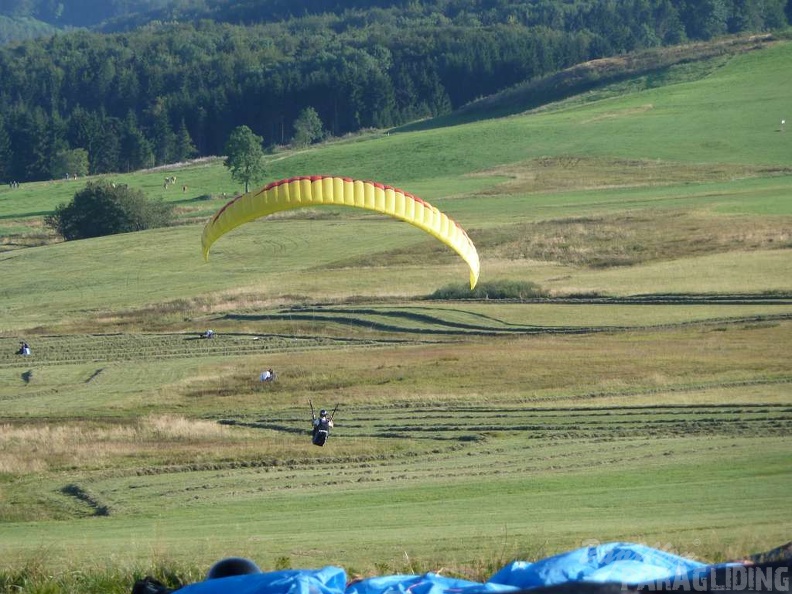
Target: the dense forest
pixel 127 84
pixel 79 13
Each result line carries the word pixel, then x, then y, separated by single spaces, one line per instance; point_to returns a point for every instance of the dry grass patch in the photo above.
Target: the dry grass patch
pixel 29 233
pixel 571 172
pixel 620 113
pixel 36 448
pixel 528 369
pixel 189 314
pixel 175 315
pixel 627 240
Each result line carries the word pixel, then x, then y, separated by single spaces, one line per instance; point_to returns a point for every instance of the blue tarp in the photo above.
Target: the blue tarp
pixel 624 563
pixel 428 583
pixel 614 562
pixel 328 580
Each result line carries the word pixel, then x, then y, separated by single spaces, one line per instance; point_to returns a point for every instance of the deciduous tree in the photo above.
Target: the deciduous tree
pixel 245 156
pixel 70 162
pixel 308 127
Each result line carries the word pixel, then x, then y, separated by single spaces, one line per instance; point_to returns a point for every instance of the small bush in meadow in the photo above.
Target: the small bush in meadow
pixel 504 289
pixel 103 208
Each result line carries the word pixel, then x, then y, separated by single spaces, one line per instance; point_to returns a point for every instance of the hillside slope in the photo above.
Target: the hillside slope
pixel 666 148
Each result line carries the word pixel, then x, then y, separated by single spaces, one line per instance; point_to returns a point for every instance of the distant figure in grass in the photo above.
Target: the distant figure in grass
pixel 208 334
pixel 24 349
pixel 268 375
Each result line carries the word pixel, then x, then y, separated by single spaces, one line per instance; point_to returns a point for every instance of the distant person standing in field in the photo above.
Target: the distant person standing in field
pixel 24 349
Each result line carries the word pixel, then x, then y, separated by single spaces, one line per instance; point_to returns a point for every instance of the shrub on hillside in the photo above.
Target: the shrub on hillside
pixel 103 208
pixel 504 289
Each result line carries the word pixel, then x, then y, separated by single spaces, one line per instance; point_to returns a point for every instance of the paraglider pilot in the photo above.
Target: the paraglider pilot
pixel 321 426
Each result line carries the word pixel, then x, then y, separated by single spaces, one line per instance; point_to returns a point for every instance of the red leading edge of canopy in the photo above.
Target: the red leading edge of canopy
pixel 314 178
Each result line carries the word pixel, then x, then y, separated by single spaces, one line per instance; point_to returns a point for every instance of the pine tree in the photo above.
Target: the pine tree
pixel 183 148
pixel 5 152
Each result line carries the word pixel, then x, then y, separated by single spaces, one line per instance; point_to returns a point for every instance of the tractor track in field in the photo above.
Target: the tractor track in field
pixel 442 434
pixel 453 442
pixel 444 446
pixel 427 325
pixel 439 445
pixel 71 349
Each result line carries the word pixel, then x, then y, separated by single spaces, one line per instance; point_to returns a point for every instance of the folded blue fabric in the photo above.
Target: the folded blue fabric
pixel 428 583
pixel 619 562
pixel 328 580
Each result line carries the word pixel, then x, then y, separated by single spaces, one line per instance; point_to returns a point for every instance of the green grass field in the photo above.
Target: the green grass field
pixel 644 393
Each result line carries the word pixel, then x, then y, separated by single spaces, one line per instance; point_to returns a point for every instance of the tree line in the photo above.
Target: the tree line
pixel 106 208
pixel 168 90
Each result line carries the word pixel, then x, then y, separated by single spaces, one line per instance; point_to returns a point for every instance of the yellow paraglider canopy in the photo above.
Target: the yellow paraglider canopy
pixel 299 192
